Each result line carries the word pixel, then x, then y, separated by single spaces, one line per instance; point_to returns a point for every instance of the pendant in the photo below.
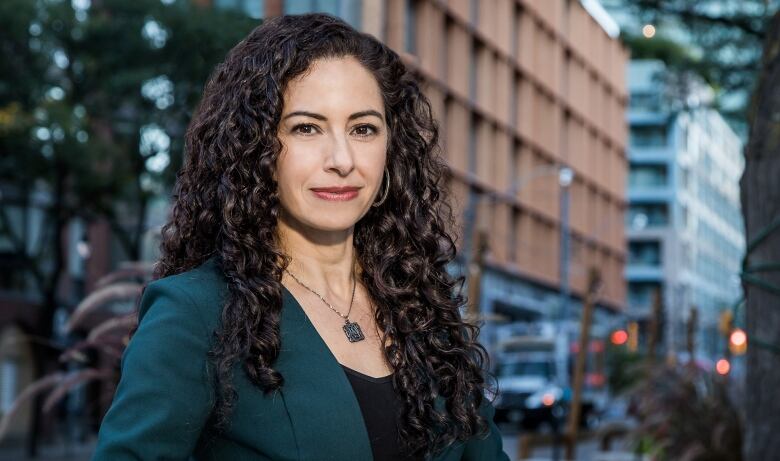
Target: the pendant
pixel 353 331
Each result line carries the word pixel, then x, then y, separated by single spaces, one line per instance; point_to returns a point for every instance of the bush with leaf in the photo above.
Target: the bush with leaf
pixel 102 322
pixel 685 413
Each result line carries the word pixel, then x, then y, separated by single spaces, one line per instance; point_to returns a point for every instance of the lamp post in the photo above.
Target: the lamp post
pixel 565 178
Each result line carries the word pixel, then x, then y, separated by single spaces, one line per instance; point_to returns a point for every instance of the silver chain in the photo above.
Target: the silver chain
pixel 354 283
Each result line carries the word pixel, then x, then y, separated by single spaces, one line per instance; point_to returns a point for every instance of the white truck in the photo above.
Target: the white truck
pixel 533 370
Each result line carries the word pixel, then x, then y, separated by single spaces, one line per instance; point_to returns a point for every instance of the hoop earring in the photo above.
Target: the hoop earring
pixel 387 190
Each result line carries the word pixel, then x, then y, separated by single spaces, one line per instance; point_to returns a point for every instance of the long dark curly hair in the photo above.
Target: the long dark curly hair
pixel 226 205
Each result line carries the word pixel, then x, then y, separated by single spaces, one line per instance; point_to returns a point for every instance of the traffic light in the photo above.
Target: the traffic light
pixel 633 336
pixel 619 337
pixel 723 367
pixel 737 339
pixel 726 323
pixel 738 342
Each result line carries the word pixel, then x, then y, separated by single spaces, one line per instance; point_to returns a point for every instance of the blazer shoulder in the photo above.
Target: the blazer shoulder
pixel 203 288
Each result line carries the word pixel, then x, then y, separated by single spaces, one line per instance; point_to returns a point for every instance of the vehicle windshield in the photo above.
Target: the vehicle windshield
pixel 543 369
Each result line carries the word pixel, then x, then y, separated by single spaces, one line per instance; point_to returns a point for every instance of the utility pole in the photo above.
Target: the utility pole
pixel 655 325
pixel 573 424
pixel 476 263
pixel 693 318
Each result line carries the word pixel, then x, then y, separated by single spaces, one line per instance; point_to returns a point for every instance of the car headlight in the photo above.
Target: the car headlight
pixel 546 397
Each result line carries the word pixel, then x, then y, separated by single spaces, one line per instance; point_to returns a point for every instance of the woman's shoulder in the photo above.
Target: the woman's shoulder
pixel 207 277
pixel 196 293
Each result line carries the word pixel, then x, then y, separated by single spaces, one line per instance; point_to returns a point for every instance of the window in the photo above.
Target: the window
pixel 647 175
pixel 541 369
pixel 641 215
pixel 685 178
pixel 640 294
pixel 9 383
pixel 410 32
pixel 476 51
pixel 648 102
pixel 683 137
pixel 514 226
pixel 648 136
pixel 349 10
pixel 11 278
pixel 473 133
pixel 474 11
pixel 515 25
pixel 705 161
pixel 644 253
pixel 252 8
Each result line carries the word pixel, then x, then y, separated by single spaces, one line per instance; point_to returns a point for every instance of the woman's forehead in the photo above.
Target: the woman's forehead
pixel 334 85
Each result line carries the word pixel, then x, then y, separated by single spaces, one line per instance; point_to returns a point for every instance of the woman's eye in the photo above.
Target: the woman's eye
pixel 365 130
pixel 305 129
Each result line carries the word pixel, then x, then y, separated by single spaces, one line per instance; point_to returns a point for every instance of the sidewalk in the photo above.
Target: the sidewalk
pixel 49 453
pixel 586 451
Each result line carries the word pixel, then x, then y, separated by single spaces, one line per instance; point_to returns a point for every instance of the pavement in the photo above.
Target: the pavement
pixel 71 452
pixel 587 450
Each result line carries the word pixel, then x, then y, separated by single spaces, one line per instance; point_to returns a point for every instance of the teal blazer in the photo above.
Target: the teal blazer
pixel 164 396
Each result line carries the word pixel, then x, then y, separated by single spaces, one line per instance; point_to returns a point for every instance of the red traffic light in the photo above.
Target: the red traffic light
pixel 619 337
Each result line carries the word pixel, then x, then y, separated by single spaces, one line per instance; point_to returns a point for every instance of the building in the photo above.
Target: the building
pixel 522 88
pixel 684 227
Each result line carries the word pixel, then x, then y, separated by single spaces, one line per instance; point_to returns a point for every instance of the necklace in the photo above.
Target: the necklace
pixel 351 329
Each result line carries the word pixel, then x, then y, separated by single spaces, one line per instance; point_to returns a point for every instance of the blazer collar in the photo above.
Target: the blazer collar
pixel 324 411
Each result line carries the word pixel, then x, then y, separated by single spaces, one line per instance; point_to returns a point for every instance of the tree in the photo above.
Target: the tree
pixel 94 101
pixel 721 40
pixel 760 191
pixel 738 43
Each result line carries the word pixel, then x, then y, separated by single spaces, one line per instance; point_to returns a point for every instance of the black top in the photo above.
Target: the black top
pixel 378 402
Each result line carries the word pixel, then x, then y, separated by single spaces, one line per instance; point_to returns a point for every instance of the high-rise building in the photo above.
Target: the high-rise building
pixel 684 227
pixel 522 89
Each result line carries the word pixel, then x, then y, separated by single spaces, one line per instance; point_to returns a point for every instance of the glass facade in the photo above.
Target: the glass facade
pixel 683 221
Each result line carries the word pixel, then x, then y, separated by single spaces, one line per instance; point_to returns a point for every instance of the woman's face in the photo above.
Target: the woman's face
pixel 333 135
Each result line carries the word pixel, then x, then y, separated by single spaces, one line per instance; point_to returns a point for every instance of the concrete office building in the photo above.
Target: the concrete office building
pixel 683 224
pixel 521 88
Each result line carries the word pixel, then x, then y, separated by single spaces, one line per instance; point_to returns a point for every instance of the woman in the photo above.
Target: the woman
pixel 302 309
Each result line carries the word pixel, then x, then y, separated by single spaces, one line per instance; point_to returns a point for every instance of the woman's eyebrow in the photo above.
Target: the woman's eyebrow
pixel 305 113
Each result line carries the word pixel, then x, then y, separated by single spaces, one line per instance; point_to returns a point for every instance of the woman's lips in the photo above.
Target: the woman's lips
pixel 336 195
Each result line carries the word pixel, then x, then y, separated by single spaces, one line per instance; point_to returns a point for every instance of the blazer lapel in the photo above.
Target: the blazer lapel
pixel 323 409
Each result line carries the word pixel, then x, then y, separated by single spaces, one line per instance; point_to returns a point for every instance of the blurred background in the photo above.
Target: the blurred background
pixel 615 171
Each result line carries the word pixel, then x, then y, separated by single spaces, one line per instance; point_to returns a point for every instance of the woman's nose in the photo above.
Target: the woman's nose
pixel 340 156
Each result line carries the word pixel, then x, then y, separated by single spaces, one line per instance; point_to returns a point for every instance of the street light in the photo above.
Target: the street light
pixel 565 179
pixel 565 176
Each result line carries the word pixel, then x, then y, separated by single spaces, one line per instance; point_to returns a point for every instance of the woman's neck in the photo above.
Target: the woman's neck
pixel 324 261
